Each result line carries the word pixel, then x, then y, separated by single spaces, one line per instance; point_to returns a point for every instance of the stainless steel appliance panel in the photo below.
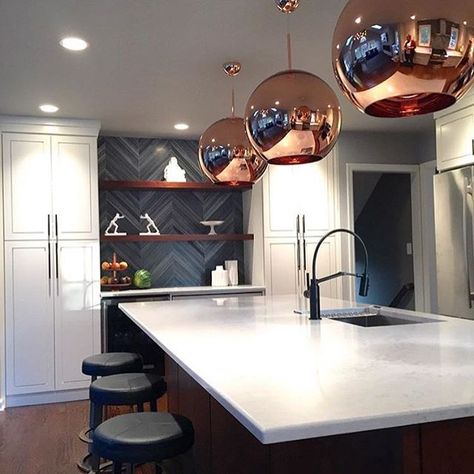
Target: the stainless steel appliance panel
pixel 454 242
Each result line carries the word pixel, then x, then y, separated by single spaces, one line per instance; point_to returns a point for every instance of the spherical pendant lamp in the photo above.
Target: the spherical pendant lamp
pixel 225 154
pixel 287 6
pixel 292 117
pixel 404 58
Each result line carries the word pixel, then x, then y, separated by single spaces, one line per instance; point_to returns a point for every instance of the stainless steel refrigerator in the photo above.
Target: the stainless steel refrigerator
pixel 454 223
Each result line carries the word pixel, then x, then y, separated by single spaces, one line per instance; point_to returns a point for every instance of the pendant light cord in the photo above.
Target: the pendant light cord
pixel 288 42
pixel 233 102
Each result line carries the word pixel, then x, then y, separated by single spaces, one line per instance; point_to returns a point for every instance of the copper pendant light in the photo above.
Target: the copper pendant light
pixel 225 153
pixel 405 58
pixel 287 6
pixel 293 117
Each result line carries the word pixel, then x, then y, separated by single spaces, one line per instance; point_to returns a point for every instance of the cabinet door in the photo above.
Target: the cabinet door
pixel 27 186
pixel 29 317
pixel 280 266
pixel 75 188
pixel 281 272
pixel 454 139
pixel 315 194
pixel 280 198
pixel 77 310
pixel 295 190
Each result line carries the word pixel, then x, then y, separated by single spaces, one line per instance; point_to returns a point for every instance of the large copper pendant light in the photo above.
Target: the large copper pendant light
pixel 225 153
pixel 404 58
pixel 293 117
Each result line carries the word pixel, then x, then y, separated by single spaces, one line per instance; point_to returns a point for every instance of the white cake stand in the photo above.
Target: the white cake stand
pixel 212 224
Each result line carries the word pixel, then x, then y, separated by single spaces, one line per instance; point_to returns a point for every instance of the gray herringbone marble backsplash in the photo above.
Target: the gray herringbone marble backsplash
pixel 171 263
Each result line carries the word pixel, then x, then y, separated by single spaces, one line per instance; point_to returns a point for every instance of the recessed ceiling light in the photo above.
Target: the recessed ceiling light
pixel 358 19
pixel 464 22
pixel 181 126
pixel 413 17
pixel 74 44
pixel 377 27
pixel 48 108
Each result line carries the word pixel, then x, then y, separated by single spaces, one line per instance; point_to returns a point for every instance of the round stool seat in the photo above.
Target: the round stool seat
pixel 111 363
pixel 127 389
pixel 143 437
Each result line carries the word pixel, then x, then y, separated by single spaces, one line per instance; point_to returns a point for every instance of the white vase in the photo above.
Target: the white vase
pixel 232 266
pixel 219 276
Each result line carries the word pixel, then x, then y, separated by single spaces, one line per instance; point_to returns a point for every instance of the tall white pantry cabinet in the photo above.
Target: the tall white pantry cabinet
pixel 300 197
pixel 51 257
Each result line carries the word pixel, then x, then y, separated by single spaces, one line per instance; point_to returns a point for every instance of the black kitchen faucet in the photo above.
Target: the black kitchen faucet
pixel 313 291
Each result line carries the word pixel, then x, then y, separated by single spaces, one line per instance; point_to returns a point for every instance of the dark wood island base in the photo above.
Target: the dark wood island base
pixel 224 446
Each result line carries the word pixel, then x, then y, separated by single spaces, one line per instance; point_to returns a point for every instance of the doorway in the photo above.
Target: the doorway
pixel 384 209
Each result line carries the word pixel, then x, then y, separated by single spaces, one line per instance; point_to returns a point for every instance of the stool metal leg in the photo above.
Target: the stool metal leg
pixel 140 407
pixel 153 405
pixel 158 469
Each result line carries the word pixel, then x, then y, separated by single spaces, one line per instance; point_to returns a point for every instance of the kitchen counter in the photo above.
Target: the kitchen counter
pixel 287 378
pixel 184 290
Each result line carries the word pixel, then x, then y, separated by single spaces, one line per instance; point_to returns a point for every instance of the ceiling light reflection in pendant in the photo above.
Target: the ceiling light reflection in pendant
pixel 293 117
pixel 225 153
pixel 421 59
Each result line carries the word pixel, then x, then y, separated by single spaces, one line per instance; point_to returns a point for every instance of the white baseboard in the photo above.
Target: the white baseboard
pixel 46 397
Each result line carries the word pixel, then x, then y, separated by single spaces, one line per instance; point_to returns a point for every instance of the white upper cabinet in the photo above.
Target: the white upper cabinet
pixel 292 191
pixel 27 190
pixel 75 189
pixel 454 139
pixel 455 134
pixel 50 188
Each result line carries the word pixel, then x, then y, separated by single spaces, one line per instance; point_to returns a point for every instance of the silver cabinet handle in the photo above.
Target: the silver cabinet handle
pixel 57 268
pixel 49 266
pixel 467 230
pixel 298 256
pixel 304 243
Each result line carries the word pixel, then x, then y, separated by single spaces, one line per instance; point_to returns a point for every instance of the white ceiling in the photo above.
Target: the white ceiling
pixel 152 63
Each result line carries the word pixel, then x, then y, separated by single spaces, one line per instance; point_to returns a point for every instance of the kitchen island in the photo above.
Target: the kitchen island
pixel 271 392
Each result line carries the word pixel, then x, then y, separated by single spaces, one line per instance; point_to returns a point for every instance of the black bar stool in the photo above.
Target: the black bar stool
pixel 139 438
pixel 122 389
pixel 110 363
pixel 100 365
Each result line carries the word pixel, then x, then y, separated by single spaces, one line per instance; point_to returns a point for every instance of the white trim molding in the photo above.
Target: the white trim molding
pixel 49 126
pixel 414 171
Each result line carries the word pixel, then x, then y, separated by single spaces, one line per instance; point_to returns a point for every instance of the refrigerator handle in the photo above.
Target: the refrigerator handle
pixel 468 193
pixel 298 255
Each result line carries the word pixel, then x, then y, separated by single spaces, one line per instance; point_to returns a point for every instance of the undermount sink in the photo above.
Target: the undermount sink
pixel 369 318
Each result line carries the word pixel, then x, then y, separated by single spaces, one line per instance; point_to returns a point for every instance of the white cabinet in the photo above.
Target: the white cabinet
pixel 454 139
pixel 52 262
pixel 53 315
pixel 293 195
pixel 50 187
pixel 281 273
pixel 292 191
pixel 77 312
pixel 27 186
pixel 29 317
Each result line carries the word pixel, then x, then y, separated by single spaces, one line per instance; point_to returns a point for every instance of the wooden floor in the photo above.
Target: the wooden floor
pixel 43 439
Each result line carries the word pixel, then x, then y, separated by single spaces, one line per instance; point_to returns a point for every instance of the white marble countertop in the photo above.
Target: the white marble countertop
pixel 287 378
pixel 184 290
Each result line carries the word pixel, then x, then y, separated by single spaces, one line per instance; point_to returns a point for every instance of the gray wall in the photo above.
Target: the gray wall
pixel 378 148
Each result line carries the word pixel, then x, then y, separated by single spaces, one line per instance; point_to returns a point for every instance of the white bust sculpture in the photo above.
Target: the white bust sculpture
pixel 173 172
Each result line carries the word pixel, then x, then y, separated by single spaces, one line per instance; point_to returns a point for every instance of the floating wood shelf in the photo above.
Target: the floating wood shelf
pixel 175 237
pixel 165 185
